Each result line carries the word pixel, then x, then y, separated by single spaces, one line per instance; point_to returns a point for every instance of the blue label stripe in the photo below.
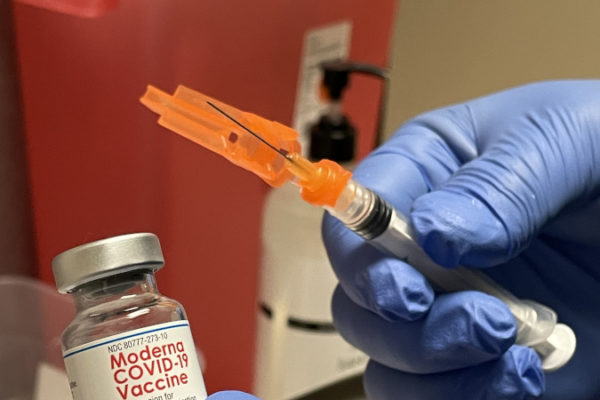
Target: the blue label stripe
pixel 124 337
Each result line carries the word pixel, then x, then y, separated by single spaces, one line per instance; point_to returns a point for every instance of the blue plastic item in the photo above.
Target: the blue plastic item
pixel 508 183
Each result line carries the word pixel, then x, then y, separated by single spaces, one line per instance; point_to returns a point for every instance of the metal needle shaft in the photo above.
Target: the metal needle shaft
pixel 256 135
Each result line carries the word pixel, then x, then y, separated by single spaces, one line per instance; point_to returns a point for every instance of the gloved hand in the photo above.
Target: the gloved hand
pixel 231 395
pixel 508 183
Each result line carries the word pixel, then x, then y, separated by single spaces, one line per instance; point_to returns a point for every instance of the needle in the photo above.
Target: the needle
pixel 256 135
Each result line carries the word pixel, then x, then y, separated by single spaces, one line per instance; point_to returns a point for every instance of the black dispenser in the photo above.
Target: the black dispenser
pixel 333 135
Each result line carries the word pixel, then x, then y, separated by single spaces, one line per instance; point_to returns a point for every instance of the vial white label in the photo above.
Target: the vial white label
pixel 157 362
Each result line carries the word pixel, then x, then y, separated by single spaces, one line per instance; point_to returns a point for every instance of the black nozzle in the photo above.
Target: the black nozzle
pixel 332 139
pixel 335 75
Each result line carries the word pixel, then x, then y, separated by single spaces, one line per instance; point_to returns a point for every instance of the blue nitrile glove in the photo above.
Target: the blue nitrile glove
pixel 508 183
pixel 231 395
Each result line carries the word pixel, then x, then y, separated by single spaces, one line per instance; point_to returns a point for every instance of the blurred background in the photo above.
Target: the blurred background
pixel 81 159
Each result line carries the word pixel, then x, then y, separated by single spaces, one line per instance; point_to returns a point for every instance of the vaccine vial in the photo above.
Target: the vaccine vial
pixel 127 341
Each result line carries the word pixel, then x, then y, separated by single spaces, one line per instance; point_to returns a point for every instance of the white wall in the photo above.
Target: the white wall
pixel 449 51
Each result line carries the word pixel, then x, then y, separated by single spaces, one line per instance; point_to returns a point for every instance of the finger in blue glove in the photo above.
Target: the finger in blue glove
pixel 231 395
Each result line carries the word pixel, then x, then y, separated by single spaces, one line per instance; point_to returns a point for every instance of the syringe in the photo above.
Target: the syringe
pixel 271 150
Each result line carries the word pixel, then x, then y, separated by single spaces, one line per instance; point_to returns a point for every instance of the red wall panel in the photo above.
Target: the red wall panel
pixel 101 166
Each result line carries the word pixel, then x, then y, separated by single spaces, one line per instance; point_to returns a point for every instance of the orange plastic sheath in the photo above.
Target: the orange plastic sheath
pixel 187 113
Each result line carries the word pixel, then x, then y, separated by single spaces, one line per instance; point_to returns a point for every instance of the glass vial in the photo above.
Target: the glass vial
pixel 127 341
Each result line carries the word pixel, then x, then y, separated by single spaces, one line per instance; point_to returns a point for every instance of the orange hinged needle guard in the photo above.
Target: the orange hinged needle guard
pixel 188 113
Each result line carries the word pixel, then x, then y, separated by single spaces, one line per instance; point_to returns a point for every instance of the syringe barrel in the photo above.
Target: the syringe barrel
pixel 362 210
pixel 392 232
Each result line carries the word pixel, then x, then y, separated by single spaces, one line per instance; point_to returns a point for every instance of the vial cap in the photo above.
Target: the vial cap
pixel 106 257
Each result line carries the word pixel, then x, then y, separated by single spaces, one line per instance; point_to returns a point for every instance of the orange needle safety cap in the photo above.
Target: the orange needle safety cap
pixel 190 114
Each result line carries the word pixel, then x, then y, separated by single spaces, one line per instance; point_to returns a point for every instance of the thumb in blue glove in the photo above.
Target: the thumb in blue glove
pixel 507 182
pixel 231 395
